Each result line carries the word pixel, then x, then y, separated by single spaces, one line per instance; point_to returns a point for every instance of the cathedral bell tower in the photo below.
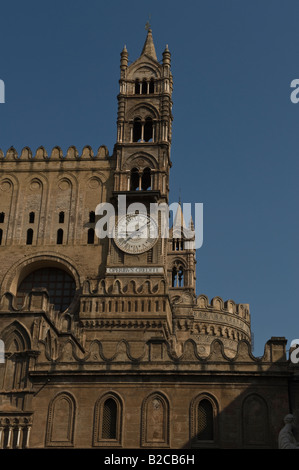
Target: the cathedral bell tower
pixel 144 124
pixel 136 268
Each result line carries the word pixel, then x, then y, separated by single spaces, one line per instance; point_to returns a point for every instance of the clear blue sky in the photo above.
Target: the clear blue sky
pixel 235 131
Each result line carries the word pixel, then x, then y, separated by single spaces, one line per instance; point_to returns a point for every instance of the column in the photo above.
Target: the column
pixel 18 443
pixel 1 436
pixel 27 437
pixel 131 133
pixel 9 438
pixel 142 132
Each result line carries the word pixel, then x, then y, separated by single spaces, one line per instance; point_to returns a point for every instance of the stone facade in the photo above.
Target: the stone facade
pixel 110 348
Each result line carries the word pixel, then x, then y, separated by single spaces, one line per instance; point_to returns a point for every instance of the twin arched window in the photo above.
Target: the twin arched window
pixel 143 131
pixel 140 180
pixel 177 276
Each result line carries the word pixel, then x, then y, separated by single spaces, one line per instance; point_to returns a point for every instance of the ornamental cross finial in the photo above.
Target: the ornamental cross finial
pixel 148 25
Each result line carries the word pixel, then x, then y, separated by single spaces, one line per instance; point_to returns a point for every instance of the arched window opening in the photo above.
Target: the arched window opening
pixel 137 87
pixel 177 244
pixel 137 129
pixel 92 217
pixel 59 236
pixel 148 129
pixel 144 87
pixel 31 217
pixel 1 236
pixel 90 236
pixel 177 276
pixel 2 217
pixel 134 186
pixel 205 421
pixel 29 238
pixel 109 420
pixel 61 217
pixel 152 86
pixel 60 285
pixel 174 277
pixel 146 179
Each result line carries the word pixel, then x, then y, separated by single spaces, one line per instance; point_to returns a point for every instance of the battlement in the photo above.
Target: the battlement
pixel 228 306
pixel 41 154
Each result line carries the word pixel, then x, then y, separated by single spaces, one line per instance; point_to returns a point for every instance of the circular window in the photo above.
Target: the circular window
pixel 60 285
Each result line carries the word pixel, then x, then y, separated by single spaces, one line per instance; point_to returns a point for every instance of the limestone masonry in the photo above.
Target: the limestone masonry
pixel 105 348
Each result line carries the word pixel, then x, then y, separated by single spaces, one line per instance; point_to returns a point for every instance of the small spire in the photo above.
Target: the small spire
pixel 124 51
pixel 179 223
pixel 149 47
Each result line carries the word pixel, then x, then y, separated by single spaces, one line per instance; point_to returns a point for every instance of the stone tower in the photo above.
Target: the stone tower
pixel 137 265
pixel 106 343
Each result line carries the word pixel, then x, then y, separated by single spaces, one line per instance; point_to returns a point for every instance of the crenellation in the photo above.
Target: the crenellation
pixel 55 154
pixel 229 306
pixel 92 331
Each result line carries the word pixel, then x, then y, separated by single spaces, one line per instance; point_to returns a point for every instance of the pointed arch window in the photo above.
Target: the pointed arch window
pixel 17 342
pixel 61 421
pixel 255 422
pixel 205 425
pixel 155 421
pixel 203 422
pixel 108 421
pixel 143 130
pixel 178 276
pixel 141 181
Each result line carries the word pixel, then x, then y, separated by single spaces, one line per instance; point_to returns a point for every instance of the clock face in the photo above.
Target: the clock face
pixel 135 233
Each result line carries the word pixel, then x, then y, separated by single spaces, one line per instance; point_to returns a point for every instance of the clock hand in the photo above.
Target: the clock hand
pixel 136 231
